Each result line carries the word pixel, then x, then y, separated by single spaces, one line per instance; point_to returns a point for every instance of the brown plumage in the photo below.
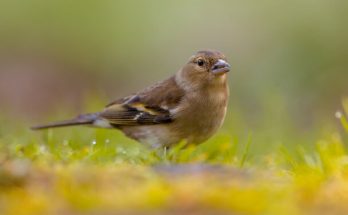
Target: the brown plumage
pixel 189 106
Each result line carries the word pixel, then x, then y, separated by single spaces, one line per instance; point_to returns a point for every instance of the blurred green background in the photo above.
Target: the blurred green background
pixel 289 58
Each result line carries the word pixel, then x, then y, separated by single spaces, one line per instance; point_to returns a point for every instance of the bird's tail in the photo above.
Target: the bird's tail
pixel 84 119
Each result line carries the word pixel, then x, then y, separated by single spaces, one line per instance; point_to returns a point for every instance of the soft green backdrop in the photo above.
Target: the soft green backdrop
pixel 283 146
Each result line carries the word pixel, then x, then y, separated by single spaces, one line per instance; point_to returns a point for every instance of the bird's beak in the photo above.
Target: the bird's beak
pixel 220 67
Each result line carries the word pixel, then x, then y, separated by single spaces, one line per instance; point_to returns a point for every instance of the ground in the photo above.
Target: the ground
pixel 96 171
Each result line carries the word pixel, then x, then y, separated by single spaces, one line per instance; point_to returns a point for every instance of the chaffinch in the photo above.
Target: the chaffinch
pixel 189 106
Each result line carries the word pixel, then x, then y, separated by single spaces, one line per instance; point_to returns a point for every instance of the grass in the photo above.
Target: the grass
pixel 96 171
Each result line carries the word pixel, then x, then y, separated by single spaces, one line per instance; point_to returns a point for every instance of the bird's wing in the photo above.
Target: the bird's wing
pixel 150 106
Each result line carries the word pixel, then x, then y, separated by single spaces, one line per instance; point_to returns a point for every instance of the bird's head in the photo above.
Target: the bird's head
pixel 205 68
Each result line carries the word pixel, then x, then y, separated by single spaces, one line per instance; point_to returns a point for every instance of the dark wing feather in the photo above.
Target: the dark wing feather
pixel 134 114
pixel 148 107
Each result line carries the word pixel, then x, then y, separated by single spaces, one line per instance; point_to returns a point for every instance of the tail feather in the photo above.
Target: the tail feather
pixel 84 119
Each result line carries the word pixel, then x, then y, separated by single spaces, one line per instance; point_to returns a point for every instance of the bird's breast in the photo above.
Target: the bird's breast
pixel 201 115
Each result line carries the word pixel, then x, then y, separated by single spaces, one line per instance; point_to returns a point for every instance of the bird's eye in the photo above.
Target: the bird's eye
pixel 200 62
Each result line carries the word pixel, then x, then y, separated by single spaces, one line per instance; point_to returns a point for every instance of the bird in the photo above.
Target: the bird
pixel 189 106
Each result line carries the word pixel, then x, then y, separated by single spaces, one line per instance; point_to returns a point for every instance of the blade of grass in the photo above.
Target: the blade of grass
pixel 246 150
